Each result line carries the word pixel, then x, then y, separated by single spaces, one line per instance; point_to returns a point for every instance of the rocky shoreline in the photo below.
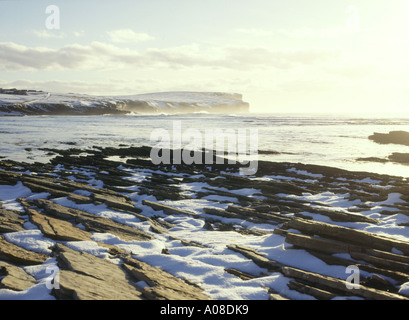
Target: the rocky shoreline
pixel 394 137
pixel 285 206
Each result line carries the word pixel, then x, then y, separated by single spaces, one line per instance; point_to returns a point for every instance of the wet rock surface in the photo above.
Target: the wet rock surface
pixel 84 199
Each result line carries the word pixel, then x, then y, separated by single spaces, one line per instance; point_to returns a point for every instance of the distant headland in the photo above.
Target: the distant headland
pixel 17 102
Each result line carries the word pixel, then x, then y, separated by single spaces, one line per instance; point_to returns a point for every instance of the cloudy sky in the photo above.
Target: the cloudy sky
pixel 283 56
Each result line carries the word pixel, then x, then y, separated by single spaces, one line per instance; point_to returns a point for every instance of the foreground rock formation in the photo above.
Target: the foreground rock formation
pixel 61 192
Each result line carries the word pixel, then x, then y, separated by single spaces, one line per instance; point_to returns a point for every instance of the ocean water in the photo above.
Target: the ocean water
pixel 331 140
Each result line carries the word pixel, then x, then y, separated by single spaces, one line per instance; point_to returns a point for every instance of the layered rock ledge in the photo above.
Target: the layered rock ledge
pixel 128 229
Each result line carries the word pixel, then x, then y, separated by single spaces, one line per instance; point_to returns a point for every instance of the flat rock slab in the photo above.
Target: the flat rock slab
pixel 10 221
pixel 86 277
pixel 15 278
pixel 115 202
pixel 92 222
pixel 9 178
pixel 334 283
pixel 58 229
pixel 163 285
pixel 19 255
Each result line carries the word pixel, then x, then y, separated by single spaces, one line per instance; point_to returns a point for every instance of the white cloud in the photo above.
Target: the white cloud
pixel 96 55
pixel 79 33
pixel 45 34
pixel 56 34
pixel 99 55
pixel 128 35
pixel 104 87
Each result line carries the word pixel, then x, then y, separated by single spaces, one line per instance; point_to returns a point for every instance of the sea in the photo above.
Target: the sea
pixel 322 139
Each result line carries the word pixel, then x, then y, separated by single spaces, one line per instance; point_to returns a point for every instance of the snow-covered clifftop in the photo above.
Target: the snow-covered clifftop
pixel 26 102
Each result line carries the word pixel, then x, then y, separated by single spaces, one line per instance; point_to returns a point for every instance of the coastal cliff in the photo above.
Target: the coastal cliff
pixel 15 102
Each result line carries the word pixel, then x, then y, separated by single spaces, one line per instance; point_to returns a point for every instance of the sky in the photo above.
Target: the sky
pixel 282 56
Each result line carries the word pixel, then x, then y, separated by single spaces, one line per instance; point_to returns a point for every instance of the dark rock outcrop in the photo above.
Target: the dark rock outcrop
pixel 399 157
pixel 393 137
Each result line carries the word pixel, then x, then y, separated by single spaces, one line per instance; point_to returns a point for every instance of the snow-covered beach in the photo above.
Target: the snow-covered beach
pixel 200 157
pixel 234 237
